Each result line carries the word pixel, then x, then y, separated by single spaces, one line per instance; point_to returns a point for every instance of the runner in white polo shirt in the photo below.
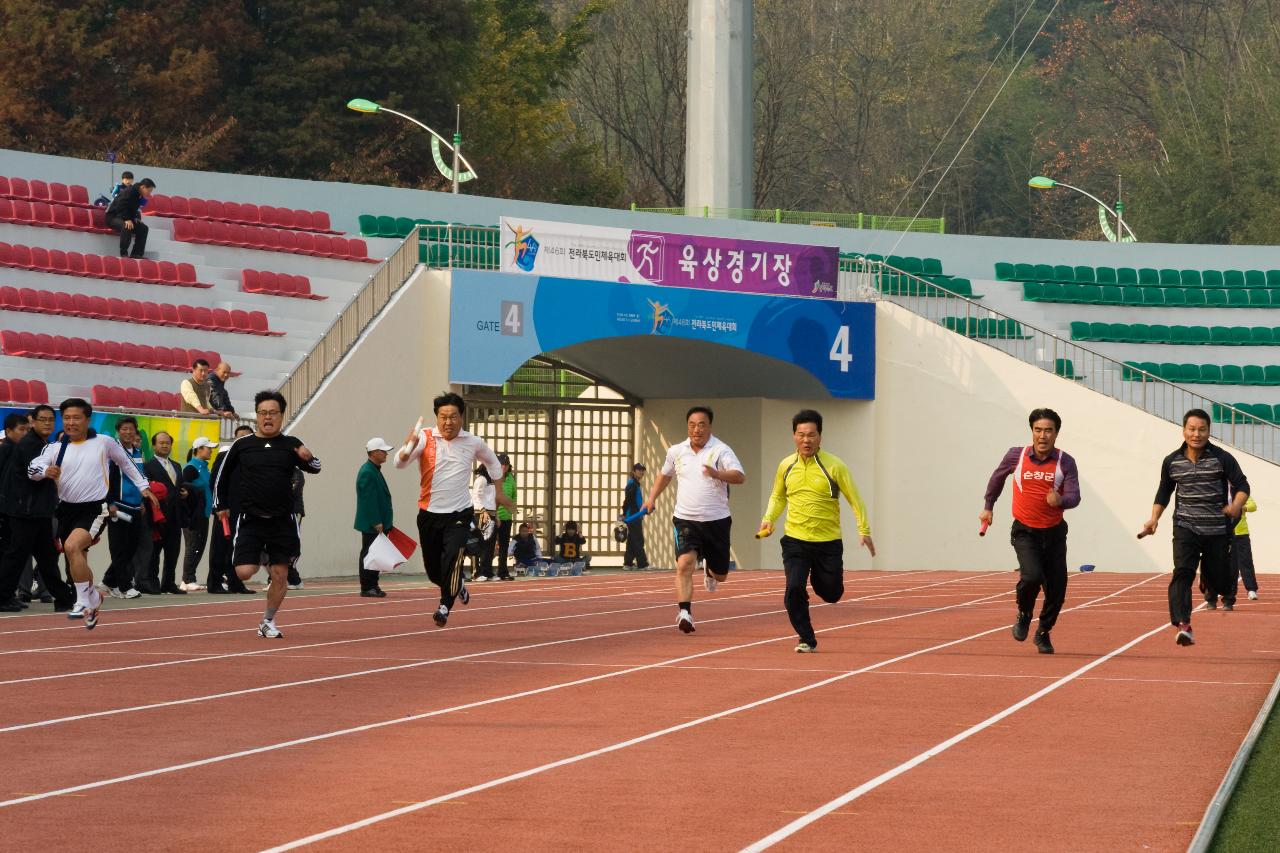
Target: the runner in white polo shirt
pixel 446 455
pixel 705 467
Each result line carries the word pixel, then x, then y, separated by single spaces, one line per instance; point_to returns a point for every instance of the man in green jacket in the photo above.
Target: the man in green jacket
pixel 373 511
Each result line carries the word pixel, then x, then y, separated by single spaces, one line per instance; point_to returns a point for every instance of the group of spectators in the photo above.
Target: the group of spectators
pixel 204 392
pixel 146 541
pixel 124 214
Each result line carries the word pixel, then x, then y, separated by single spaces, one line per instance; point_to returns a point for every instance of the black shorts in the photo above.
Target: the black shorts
pixel 276 539
pixel 709 538
pixel 90 517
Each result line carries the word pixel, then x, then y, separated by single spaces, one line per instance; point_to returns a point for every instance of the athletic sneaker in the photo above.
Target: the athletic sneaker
pixel 464 595
pixel 91 610
pixel 441 616
pixel 297 585
pixel 1043 646
pixel 479 579
pixel 1185 637
pixel 1228 605
pixel 805 649
pixel 269 631
pixel 1253 595
pixel 685 622
pixel 708 580
pixel 133 593
pixel 76 612
pixel 1020 627
pixel 115 592
pixel 506 578
pixel 1212 603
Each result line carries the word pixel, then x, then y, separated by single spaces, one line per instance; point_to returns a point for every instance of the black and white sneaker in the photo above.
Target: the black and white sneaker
pixel 76 612
pixel 464 594
pixel 708 580
pixel 441 616
pixel 91 610
pixel 1185 637
pixel 269 631
pixel 685 622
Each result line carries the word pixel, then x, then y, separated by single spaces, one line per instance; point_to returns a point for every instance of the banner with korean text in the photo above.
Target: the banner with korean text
pixel 628 256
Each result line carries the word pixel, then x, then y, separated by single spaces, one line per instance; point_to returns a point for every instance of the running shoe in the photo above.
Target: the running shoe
pixel 297 585
pixel 685 622
pixel 1043 646
pixel 1253 595
pixel 805 649
pixel 1020 627
pixel 1185 637
pixel 1211 603
pixel 464 595
pixel 708 580
pixel 479 579
pixel 269 631
pixel 510 578
pixel 132 593
pixel 441 616
pixel 76 612
pixel 91 610
pixel 1228 605
pixel 115 592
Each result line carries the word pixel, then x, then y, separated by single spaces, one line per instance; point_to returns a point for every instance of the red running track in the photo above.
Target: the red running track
pixel 570 714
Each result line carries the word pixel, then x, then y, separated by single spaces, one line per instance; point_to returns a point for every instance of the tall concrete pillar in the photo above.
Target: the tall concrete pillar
pixel 718 142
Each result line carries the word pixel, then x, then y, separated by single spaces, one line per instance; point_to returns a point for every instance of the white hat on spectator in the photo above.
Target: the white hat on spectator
pixel 375 444
pixel 202 442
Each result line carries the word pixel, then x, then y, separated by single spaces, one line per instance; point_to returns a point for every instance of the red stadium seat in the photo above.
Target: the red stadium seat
pixel 114 351
pixel 111 267
pixel 201 231
pixel 11 342
pixel 63 216
pixel 38 391
pixel 99 217
pixel 39 190
pixel 180 206
pixel 98 352
pixel 148 356
pixel 258 323
pixel 39 258
pixel 131 355
pixel 58 261
pixel 22 211
pixel 216 209
pixel 151 400
pixel 6 255
pixel 81 219
pixel 45 345
pixel 320 221
pixel 75 263
pixel 251 281
pixel 149 270
pixel 62 349
pixel 286 241
pixel 135 313
pixel 130 270
pixel 80 350
pixel 5 189
pixel 79 195
pixel 198 208
pixel 82 305
pixel 158 205
pixel 93 266
pixel 302 287
pixel 182 230
pixel 48 303
pixel 240 320
pixel 20 188
pixel 64 304
pixel 4 390
pixel 250 214
pixel 308 243
pixel 186 316
pixel 202 317
pixel 151 314
pixel 168 272
pixel 169 314
pixel 19 391
pixel 186 274
pixel 6 209
pixel 30 299
pixel 358 249
pixel 60 193
pixel 222 319
pixel 133 398
pixel 100 396
pixel 41 213
pixel 10 299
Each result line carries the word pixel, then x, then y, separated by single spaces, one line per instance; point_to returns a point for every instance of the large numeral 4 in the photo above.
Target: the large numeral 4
pixel 840 349
pixel 512 320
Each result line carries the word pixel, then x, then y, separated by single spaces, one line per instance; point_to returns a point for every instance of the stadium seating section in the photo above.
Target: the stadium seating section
pixel 277 284
pixel 928 269
pixel 181 207
pixel 142 270
pixel 134 311
pixel 21 188
pixel 1155 333
pixel 68 217
pixel 1246 413
pixel 25 391
pixel 113 397
pixel 1204 374
pixel 94 351
pixel 270 240
pixel 1132 295
pixel 985 328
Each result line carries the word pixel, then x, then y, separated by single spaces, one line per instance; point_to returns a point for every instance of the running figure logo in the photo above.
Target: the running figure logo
pixel 646 253
pixel 662 316
pixel 524 247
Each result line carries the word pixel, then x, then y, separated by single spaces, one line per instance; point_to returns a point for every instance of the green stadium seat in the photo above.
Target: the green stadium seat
pixel 931 266
pixel 958 286
pixel 1032 291
pixel 906 264
pixel 1130 372
pixel 1120 332
pixel 1044 272
pixel 1237 298
pixel 1100 331
pixel 386 226
pixel 1064 274
pixel 1220 335
pixel 1260 411
pixel 1255 278
pixel 1179 335
pixel 1090 294
pixel 1138 333
pixel 1275 414
pixel 1168 371
pixel 1132 295
pixel 1064 368
pixel 1254 375
pixel 1147 275
pixel 1010 329
pixel 1172 295
pixel 952 323
pixel 1194 296
pixel 368 225
pixel 404 226
pixel 1106 275
pixel 1188 372
pixel 1080 331
pixel 1054 293
pixel 1024 272
pixel 1127 275
pixel 1171 278
pixel 1215 298
pixel 1157 333
pixel 1233 278
pixel 1084 275
pixel 1240 336
pixel 1232 374
pixel 1211 374
pixel 1153 295
pixel 1262 335
pixel 1273 278
pixel 1004 271
pixel 1112 295
pixel 1189 278
pixel 1271 374
pixel 1152 368
pixel 1259 298
pixel 1211 278
pixel 1218 413
pixel 1198 335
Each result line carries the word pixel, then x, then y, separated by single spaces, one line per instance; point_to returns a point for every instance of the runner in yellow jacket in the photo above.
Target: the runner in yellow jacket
pixel 808 484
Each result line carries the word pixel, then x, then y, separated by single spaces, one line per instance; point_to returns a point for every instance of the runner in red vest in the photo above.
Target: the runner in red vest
pixel 1045 483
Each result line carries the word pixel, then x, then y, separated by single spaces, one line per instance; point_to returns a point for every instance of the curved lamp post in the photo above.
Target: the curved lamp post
pixel 361 105
pixel 1040 182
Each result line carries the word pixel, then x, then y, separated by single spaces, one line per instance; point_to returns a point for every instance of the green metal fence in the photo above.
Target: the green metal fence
pixel 810 217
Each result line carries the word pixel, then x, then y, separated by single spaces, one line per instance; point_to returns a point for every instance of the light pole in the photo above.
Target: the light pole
pixel 457 176
pixel 1040 182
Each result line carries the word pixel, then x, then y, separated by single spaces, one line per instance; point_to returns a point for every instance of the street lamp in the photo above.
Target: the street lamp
pixel 1040 182
pixel 362 105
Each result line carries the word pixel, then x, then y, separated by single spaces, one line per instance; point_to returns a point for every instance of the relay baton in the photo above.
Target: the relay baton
pixel 982 531
pixel 635 516
pixel 226 527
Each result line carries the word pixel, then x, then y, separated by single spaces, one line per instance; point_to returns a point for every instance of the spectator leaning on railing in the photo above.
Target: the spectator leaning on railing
pixel 195 389
pixel 219 399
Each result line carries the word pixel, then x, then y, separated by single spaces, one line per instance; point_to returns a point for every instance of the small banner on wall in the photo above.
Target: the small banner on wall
pixel 628 256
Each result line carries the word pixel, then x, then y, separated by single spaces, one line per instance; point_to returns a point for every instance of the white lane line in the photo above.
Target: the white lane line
pixel 583 756
pixel 464 707
pixel 889 775
pixel 420 662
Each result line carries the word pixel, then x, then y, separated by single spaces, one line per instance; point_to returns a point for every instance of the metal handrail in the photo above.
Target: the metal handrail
pixel 347 327
pixel 862 279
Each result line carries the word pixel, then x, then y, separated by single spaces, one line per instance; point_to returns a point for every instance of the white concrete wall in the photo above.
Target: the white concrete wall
pixel 381 388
